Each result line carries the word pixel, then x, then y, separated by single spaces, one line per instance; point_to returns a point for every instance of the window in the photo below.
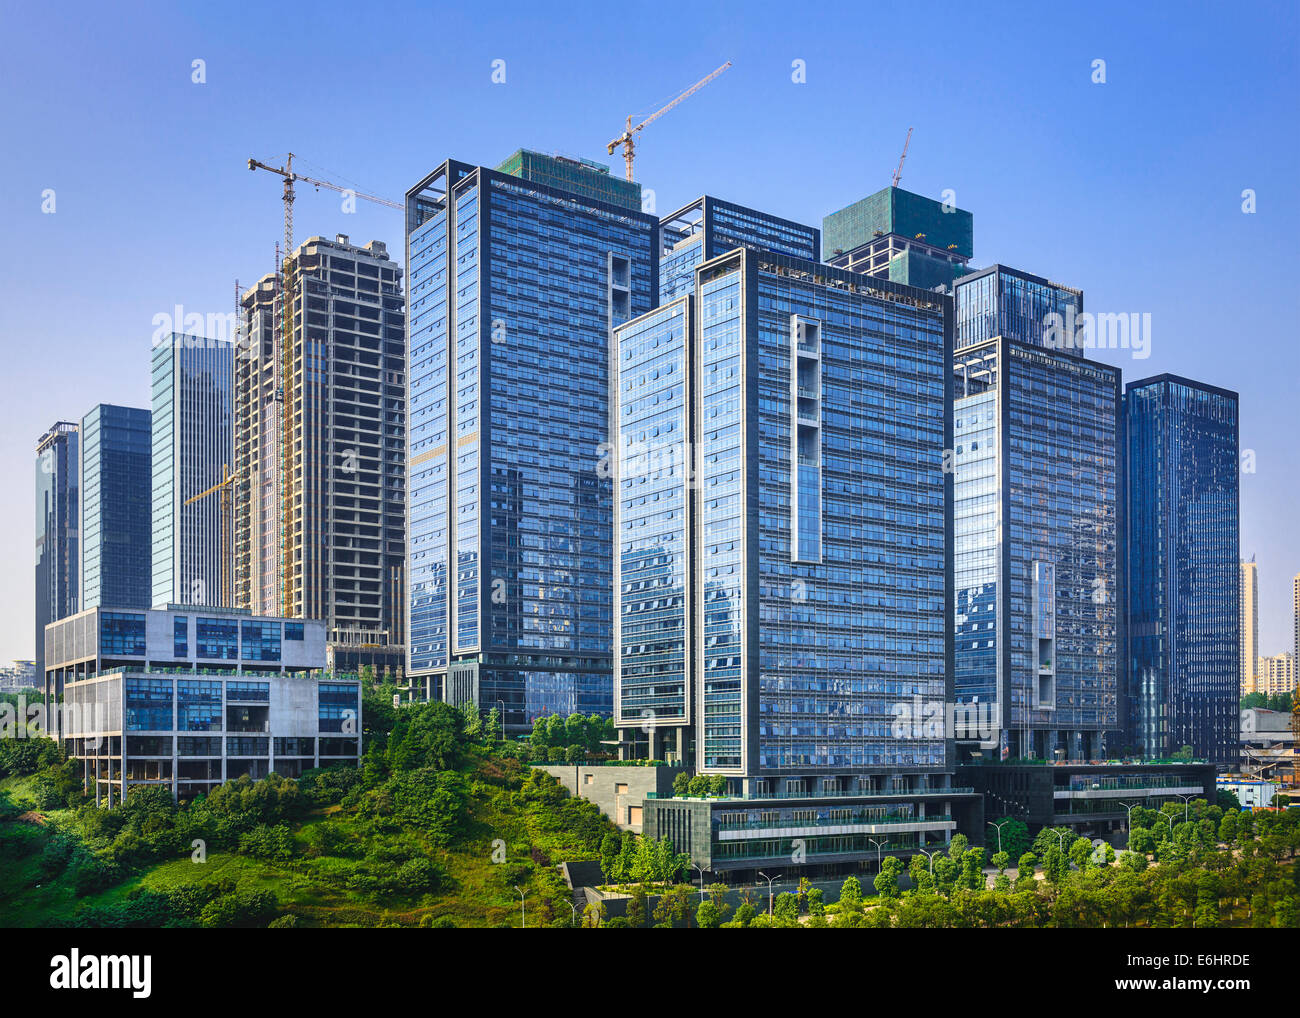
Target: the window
pixel 149 705
pixel 261 641
pixel 293 631
pixel 181 636
pixel 217 638
pixel 338 707
pixel 121 633
pixel 198 706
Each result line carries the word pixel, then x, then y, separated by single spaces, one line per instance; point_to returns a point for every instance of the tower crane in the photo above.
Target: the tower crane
pixel 283 359
pixel 626 138
pixel 222 487
pixel 898 173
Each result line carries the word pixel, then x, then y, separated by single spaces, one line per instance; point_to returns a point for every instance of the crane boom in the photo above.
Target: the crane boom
pixel 626 138
pixel 898 173
pixel 223 487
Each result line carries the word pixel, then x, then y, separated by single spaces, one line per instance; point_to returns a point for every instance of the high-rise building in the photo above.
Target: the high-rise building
pixel 193 447
pixel 58 555
pixel 1036 524
pixel 783 566
pixel 1295 615
pixel 515 285
pixel 896 234
pixel 1249 623
pixel 1275 675
pixel 116 508
pixel 319 528
pixel 1184 573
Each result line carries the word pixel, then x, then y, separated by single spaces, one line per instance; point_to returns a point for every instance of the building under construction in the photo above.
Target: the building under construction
pixel 319 519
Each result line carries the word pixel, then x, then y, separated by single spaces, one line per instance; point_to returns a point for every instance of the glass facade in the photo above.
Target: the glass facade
pixel 116 481
pixel 121 633
pixel 148 705
pixel 198 705
pixel 1036 534
pixel 1003 302
pixel 192 444
pixel 514 287
pixel 1183 568
pixel 58 553
pixel 216 638
pixel 261 641
pixel 814 535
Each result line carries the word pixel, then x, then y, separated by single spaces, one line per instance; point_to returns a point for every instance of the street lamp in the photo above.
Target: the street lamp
pixel 998 827
pixel 700 870
pixel 523 919
pixel 878 847
pixel 1187 802
pixel 1128 815
pixel 574 909
pixel 930 856
pixel 769 889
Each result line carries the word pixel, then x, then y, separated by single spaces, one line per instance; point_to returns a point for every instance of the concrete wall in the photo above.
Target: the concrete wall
pixel 620 792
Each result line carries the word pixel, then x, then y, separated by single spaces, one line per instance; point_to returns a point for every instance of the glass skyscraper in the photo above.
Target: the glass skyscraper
pixel 782 569
pixel 193 444
pixel 1183 568
pixel 1036 526
pixel 116 508
pixel 58 555
pixel 514 287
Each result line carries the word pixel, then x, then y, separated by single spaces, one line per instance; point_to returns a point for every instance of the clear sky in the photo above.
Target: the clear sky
pixel 1130 190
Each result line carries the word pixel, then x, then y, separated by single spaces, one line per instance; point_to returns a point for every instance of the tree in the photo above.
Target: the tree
pixel 785 911
pixel 718 785
pixel 681 784
pixel 851 895
pixel 636 907
pixel 886 882
pixel 1025 871
pixel 1015 836
pixel 492 726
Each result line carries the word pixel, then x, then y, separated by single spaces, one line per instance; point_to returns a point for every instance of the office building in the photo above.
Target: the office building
pixel 58 551
pixel 187 698
pixel 905 237
pixel 1295 616
pixel 193 450
pixel 783 564
pixel 515 284
pixel 116 508
pixel 1184 575
pixel 1249 624
pixel 319 528
pixel 1036 525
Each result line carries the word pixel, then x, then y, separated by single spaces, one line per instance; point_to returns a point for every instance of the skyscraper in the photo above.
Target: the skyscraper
pixel 515 285
pixel 1184 587
pixel 58 554
pixel 783 558
pixel 896 234
pixel 1249 623
pixel 116 508
pixel 1036 523
pixel 319 528
pixel 192 447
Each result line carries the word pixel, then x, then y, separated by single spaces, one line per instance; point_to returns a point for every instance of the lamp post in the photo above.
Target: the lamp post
pixel 769 889
pixel 998 827
pixel 930 856
pixel 574 910
pixel 878 847
pixel 700 870
pixel 1187 802
pixel 523 919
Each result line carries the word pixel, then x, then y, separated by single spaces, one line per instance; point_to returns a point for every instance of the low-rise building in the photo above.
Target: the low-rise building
pixel 188 698
pixel 1252 793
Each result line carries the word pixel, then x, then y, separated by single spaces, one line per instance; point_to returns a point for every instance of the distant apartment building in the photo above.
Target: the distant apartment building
pixel 18 676
pixel 320 493
pixel 1295 616
pixel 516 281
pixel 1275 675
pixel 1249 623
pixel 1184 571
pixel 193 450
pixel 187 698
pixel 58 508
pixel 116 508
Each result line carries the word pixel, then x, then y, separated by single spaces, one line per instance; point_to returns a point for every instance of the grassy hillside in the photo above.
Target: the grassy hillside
pixel 438 828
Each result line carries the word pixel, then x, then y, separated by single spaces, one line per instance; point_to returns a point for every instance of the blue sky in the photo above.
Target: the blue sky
pixel 1129 190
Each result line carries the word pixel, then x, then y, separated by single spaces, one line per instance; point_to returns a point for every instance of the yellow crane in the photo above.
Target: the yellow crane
pixel 223 487
pixel 626 138
pixel 284 359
